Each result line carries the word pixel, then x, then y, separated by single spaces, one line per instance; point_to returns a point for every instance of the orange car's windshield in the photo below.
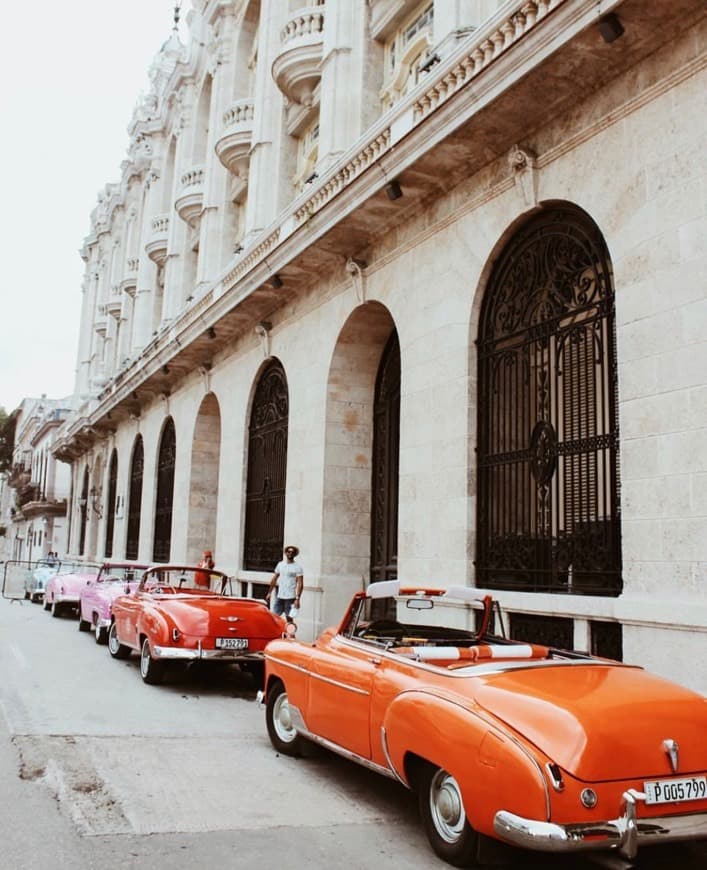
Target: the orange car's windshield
pixel 422 616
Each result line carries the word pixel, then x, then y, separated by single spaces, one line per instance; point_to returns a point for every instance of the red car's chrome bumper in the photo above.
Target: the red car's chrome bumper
pixel 224 655
pixel 624 834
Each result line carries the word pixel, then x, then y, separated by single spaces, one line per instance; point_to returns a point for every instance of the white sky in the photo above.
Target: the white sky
pixel 71 73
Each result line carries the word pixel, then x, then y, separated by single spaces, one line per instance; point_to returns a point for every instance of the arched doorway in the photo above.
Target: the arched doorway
pixel 110 503
pixel 356 487
pixel 203 489
pixel 267 471
pixel 385 466
pixel 162 542
pixel 548 516
pixel 137 464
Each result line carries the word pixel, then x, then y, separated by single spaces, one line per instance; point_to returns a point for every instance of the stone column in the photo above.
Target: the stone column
pixel 146 284
pixel 453 20
pixel 344 56
pixel 268 178
pixel 216 228
pixel 179 271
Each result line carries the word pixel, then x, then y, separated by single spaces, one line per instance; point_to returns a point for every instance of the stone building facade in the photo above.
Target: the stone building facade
pixel 35 491
pixel 419 287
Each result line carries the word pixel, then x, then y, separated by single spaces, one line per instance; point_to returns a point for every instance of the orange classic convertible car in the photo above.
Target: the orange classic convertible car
pixel 536 747
pixel 182 613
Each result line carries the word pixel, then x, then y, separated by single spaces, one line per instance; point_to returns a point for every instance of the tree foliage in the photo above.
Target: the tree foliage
pixel 7 438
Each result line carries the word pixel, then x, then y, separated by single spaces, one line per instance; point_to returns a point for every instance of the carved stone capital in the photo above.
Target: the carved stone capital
pixel 523 166
pixel 355 268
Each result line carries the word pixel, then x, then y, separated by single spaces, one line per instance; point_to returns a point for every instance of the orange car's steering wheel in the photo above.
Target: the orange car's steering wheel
pixel 383 628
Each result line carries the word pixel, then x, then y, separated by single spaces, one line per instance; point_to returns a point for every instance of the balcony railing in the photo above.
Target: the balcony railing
pixel 156 247
pixel 190 199
pixel 233 146
pixel 297 68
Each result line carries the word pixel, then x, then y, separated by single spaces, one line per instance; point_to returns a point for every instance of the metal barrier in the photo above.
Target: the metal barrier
pixel 26 580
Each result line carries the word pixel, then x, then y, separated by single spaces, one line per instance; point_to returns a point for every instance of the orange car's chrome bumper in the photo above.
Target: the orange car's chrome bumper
pixel 624 834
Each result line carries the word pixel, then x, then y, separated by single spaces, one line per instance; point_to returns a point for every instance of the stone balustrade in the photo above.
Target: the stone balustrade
pixel 303 24
pixel 190 199
pixel 156 247
pixel 233 145
pixel 297 68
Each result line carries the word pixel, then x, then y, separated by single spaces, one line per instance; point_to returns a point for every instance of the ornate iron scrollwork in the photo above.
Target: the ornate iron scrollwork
pixel 548 490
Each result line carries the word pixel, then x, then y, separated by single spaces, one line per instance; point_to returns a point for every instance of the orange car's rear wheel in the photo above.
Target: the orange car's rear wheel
pixel 283 735
pixel 444 818
pixel 151 670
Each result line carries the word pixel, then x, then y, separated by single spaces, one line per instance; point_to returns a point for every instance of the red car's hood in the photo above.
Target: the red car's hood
pixel 211 616
pixel 601 722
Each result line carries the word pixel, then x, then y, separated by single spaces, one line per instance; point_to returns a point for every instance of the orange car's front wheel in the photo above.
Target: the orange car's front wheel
pixel 444 818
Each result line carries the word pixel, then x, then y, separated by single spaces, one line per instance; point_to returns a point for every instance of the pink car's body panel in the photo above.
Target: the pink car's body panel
pixel 97 596
pixel 63 590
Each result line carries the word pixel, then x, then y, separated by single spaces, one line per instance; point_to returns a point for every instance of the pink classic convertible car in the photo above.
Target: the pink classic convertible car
pixel 62 590
pixel 96 597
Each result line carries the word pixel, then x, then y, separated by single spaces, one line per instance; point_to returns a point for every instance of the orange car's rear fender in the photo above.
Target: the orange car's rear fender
pixel 494 770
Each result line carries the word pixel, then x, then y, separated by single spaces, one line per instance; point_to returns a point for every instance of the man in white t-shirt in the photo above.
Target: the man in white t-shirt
pixel 289 580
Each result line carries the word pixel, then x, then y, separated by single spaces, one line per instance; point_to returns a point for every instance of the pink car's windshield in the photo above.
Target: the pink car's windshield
pixel 120 573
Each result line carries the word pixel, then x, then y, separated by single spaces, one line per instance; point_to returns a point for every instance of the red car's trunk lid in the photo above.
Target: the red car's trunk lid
pixel 222 617
pixel 602 722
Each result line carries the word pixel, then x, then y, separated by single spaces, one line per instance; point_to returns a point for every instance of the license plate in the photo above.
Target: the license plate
pixel 668 791
pixel 231 643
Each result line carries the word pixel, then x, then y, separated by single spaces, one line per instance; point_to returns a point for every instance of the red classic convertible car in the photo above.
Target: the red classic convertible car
pixel 540 748
pixel 182 613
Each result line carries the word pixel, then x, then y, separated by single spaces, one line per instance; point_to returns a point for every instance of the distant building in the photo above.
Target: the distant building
pixel 418 286
pixel 36 487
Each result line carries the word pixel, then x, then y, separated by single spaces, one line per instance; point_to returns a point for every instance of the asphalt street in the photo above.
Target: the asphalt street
pixel 99 769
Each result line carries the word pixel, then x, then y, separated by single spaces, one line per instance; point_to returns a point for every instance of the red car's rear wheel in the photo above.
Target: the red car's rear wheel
pixel 151 670
pixel 115 647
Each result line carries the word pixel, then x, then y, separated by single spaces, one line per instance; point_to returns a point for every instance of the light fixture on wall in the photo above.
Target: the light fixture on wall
pixel 610 27
pixel 393 190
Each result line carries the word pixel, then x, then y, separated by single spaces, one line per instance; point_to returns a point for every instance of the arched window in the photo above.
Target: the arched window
pixel 267 470
pixel 110 513
pixel 165 494
pixel 135 500
pixel 83 509
pixel 548 507
pixel 386 461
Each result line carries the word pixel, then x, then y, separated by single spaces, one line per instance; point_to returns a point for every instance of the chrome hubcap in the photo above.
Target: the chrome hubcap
pixel 144 659
pixel 283 719
pixel 446 806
